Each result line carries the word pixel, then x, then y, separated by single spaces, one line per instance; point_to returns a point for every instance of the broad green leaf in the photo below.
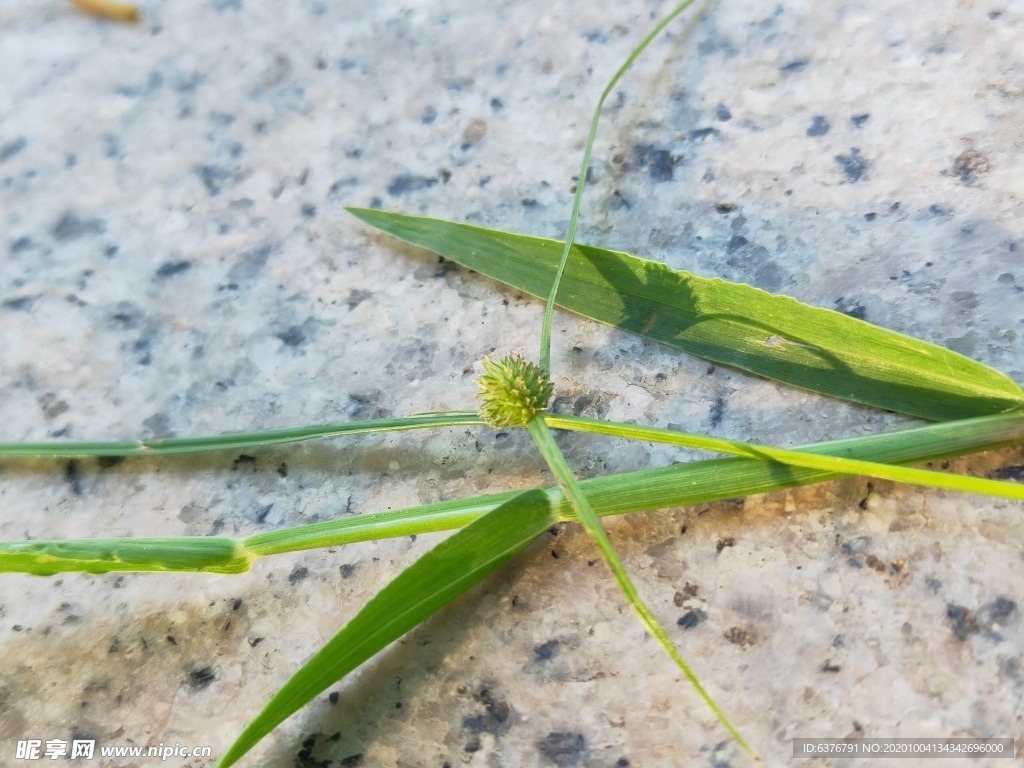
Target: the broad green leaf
pixel 193 554
pixel 772 336
pixel 441 575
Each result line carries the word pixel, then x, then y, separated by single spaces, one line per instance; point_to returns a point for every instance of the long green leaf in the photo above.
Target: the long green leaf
pixel 677 485
pixel 195 554
pixel 443 573
pixel 167 446
pixel 772 336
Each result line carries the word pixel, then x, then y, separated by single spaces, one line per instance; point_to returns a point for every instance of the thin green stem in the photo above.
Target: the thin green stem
pixel 549 309
pixel 585 513
pixel 238 440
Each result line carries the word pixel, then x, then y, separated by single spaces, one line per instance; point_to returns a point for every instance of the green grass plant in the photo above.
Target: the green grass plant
pixel 974 408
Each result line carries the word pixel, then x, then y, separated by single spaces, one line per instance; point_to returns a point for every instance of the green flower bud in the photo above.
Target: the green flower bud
pixel 512 391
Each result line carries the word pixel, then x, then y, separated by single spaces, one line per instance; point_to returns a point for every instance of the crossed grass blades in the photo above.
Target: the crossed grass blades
pixel 977 408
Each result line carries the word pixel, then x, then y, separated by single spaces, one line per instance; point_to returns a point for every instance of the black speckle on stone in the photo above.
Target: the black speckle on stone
pixel 20 304
pixel 11 148
pixel 143 350
pixel 298 575
pixel 962 621
pixel 171 268
pixel 406 183
pixel 722 113
pixel 293 337
pixel 213 177
pixel 333 697
pixel 622 762
pixel 495 719
pixel 564 748
pixel 73 478
pixel 797 65
pixel 939 211
pixel 363 406
pixel 659 163
pixel 717 411
pixel 262 513
pixel 20 245
pixel 819 126
pixel 859 120
pixel 828 666
pixel 236 604
pixel 106 462
pixel 735 243
pixel 725 541
pixel 341 184
pixel 854 309
pixel 201 678
pixel 870 216
pixel 691 618
pixel 304 757
pixel 528 202
pixel 497 104
pixel 725 208
pixel 243 460
pixel 1015 472
pixel 249 264
pixel 308 210
pixel 347 569
pixel 352 761
pixel 996 612
pixel 255 641
pixel 71 226
pixel 853 166
pixel 700 134
pixel 545 651
pixel 969 165
pixel 357 297
pixel 740 636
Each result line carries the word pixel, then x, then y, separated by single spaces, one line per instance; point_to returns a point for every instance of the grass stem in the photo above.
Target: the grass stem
pixel 552 454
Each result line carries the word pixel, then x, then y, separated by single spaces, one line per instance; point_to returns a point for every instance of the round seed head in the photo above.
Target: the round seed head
pixel 512 391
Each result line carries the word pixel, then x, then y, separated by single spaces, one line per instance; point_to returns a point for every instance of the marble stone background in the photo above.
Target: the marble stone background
pixel 175 261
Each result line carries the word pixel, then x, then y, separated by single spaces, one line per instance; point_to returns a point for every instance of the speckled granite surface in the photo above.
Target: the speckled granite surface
pixel 175 262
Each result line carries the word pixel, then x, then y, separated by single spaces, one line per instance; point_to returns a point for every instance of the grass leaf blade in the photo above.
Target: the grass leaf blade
pixel 197 554
pixel 231 441
pixel 775 337
pixel 443 573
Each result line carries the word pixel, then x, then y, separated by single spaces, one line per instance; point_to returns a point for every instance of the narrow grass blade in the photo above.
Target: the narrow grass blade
pixel 581 183
pixel 237 440
pixel 193 554
pixel 678 485
pixel 588 518
pixel 443 573
pixel 794 458
pixel 772 336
